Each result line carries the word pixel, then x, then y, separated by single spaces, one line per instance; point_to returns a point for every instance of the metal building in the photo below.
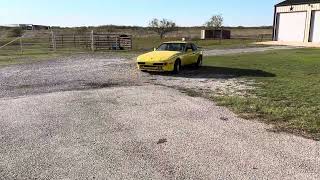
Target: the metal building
pixel 297 21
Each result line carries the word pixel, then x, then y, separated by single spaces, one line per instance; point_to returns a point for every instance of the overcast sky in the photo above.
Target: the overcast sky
pixel 135 12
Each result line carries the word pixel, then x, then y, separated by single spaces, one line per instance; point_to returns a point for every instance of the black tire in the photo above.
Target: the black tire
pixel 177 66
pixel 199 62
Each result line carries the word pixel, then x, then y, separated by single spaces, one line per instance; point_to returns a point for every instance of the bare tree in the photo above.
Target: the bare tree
pixel 215 22
pixel 162 27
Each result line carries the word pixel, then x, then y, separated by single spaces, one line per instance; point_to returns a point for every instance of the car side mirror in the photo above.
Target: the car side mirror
pixel 189 50
pixel 154 49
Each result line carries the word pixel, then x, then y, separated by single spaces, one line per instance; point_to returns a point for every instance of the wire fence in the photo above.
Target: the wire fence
pixel 52 42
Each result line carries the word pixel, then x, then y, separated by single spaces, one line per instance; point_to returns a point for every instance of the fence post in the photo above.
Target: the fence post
pixel 53 41
pixel 92 41
pixel 21 46
pixel 131 43
pixel 62 43
pixel 117 41
pixel 74 41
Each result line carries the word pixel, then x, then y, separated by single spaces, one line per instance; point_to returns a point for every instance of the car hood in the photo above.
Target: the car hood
pixel 157 56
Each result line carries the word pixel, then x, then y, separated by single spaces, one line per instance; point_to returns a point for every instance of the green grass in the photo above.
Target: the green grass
pixel 227 43
pixel 10 57
pixel 30 57
pixel 288 88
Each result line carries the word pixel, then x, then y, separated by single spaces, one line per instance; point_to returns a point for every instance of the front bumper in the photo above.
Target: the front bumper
pixel 158 67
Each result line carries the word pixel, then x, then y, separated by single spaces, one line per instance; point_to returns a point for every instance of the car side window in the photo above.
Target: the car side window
pixel 194 47
pixel 183 47
pixel 189 46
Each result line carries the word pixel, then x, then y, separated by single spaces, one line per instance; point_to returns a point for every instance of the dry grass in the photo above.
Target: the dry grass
pixel 191 32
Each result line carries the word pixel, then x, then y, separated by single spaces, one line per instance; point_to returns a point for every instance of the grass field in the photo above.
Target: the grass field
pixel 39 47
pixel 34 56
pixel 287 95
pixel 140 44
pixel 27 57
pixel 144 39
pixel 192 32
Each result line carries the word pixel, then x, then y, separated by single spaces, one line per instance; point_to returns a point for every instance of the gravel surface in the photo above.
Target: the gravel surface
pixel 204 80
pixel 97 117
pixel 68 73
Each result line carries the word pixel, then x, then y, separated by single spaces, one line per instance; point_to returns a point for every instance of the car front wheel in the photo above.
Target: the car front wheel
pixel 199 62
pixel 177 67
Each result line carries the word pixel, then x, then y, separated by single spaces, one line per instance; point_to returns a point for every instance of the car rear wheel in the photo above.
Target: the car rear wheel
pixel 199 62
pixel 177 67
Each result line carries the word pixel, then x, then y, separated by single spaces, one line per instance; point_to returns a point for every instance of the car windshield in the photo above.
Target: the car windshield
pixel 172 47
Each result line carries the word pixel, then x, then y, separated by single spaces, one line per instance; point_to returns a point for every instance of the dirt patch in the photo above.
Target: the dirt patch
pixel 196 82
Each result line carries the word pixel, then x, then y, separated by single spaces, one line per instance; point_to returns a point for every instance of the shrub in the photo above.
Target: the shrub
pixel 15 32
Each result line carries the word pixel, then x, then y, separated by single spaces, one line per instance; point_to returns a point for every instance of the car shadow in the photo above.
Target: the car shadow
pixel 217 72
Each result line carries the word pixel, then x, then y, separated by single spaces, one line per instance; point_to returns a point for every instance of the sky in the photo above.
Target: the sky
pixel 70 13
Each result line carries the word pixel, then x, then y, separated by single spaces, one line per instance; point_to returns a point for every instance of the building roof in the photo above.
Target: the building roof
pixel 296 2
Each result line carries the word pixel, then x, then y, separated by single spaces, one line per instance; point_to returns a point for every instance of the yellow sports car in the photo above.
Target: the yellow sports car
pixel 170 56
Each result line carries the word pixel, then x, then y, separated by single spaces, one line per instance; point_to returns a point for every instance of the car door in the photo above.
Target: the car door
pixel 195 54
pixel 184 56
pixel 188 54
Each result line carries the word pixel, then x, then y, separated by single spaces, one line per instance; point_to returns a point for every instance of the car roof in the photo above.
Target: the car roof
pixel 180 42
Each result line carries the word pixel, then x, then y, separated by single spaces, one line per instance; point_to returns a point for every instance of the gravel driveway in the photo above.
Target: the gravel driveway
pixel 96 117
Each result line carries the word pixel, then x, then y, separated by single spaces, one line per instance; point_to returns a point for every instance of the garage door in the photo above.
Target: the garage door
pixel 315 27
pixel 291 26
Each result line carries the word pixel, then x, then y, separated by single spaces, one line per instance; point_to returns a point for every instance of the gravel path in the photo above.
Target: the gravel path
pixel 96 117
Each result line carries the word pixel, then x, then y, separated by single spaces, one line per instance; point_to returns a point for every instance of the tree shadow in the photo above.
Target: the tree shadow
pixel 218 72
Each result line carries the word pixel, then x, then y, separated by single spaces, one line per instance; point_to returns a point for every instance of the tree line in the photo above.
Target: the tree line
pixel 164 26
pixel 160 26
